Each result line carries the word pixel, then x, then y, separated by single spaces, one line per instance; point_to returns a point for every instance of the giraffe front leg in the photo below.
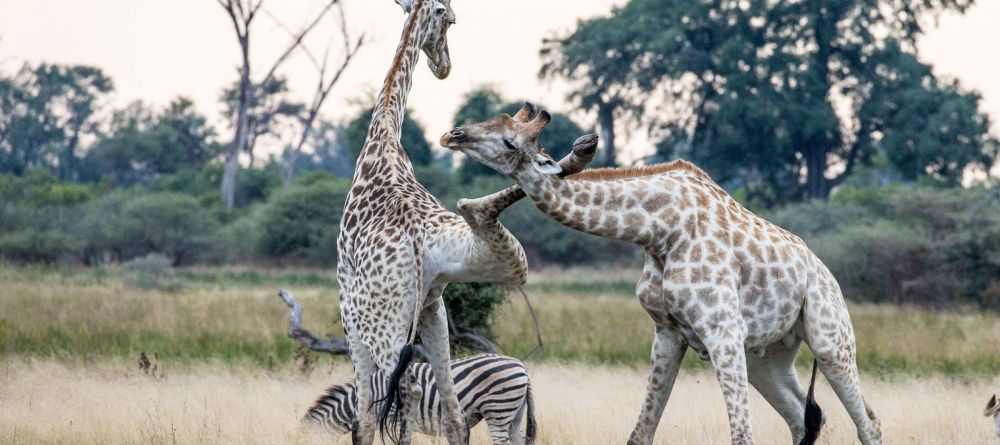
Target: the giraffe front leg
pixel 434 333
pixel 668 352
pixel 723 339
pixel 669 347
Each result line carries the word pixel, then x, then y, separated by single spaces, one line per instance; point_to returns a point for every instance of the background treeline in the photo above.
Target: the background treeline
pixel 837 133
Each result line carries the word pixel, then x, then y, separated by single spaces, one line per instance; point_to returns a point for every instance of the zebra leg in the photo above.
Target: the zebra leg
pixel 499 434
pixel 434 333
pixel 363 430
pixel 412 395
pixel 515 434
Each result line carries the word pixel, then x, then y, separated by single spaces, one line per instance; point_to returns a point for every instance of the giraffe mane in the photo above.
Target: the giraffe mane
pixel 397 61
pixel 613 173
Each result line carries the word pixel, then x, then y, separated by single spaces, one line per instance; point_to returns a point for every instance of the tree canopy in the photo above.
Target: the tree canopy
pixel 45 113
pixel 782 98
pixel 413 139
pixel 142 143
pixel 485 103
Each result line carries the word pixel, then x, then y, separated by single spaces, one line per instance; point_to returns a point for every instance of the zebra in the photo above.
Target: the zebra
pixel 490 387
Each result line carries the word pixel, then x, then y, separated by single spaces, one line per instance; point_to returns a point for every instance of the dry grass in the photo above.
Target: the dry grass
pixel 111 402
pixel 236 317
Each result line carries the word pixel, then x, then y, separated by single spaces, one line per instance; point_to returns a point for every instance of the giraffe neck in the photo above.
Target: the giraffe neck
pixel 390 107
pixel 612 209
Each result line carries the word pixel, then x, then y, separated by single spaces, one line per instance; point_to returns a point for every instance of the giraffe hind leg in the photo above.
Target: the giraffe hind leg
pixel 830 336
pixel 773 375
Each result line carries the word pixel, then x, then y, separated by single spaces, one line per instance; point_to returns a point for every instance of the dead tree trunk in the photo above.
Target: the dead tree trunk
pixel 334 345
pixel 242 14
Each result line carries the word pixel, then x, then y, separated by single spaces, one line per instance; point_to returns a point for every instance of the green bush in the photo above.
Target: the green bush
pixel 905 244
pixel 152 272
pixel 472 306
pixel 880 262
pixel 31 245
pixel 127 224
pixel 301 224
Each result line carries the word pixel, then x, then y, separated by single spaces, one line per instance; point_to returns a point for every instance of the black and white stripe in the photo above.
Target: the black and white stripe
pixel 489 387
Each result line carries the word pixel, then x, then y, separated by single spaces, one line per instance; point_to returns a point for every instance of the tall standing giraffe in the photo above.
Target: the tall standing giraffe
pixel 399 247
pixel 737 289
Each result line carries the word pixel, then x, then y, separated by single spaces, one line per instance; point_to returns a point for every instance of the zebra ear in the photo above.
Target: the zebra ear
pixel 992 408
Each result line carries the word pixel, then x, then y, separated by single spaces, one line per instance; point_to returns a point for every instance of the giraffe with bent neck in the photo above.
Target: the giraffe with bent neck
pixel 399 247
pixel 737 289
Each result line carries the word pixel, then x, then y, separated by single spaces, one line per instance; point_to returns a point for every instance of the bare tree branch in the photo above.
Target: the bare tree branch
pixel 302 335
pixel 323 89
pixel 538 328
pixel 296 42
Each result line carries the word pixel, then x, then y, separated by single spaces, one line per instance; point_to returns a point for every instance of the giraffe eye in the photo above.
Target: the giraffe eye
pixel 509 144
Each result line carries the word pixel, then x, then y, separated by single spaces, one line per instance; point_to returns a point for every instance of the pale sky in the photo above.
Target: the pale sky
pixel 155 50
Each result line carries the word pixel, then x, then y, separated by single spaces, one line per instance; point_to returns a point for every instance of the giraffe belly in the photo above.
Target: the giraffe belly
pixel 770 314
pixel 770 320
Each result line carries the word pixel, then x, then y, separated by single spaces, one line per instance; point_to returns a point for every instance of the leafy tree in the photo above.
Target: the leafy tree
pixel 413 139
pixel 269 107
pixel 329 152
pixel 748 89
pixel 141 144
pixel 46 111
pixel 127 224
pixel 485 103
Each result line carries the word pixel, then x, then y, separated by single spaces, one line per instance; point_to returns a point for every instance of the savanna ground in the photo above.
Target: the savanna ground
pixel 70 341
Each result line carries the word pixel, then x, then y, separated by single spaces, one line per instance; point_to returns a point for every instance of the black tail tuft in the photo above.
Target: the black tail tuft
pixel 814 415
pixel 389 423
pixel 531 429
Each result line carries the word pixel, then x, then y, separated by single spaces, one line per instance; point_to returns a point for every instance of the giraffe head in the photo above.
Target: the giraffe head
pixel 435 32
pixel 993 407
pixel 507 144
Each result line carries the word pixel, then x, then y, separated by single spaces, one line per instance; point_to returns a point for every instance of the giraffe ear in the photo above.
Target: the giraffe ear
pixel 525 113
pixel 546 165
pixel 406 4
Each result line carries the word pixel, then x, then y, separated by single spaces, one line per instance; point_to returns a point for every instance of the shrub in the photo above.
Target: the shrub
pixel 302 223
pixel 879 262
pixel 32 245
pixel 125 225
pixel 152 272
pixel 471 306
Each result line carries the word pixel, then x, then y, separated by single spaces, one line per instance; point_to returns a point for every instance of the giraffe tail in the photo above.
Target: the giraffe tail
pixel 390 422
pixel 814 415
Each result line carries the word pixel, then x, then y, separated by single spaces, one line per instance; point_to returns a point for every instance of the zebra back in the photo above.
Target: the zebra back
pixel 489 386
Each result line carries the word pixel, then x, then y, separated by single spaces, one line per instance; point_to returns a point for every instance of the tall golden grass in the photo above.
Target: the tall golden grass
pixel 77 315
pixel 111 402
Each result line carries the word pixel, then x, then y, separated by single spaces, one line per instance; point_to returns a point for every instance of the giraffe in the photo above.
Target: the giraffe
pixel 399 247
pixel 737 289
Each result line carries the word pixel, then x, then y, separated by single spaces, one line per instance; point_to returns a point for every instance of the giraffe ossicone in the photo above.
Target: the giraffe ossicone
pixel 717 278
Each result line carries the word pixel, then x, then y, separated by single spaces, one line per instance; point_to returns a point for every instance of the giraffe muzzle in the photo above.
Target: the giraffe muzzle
pixel 453 137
